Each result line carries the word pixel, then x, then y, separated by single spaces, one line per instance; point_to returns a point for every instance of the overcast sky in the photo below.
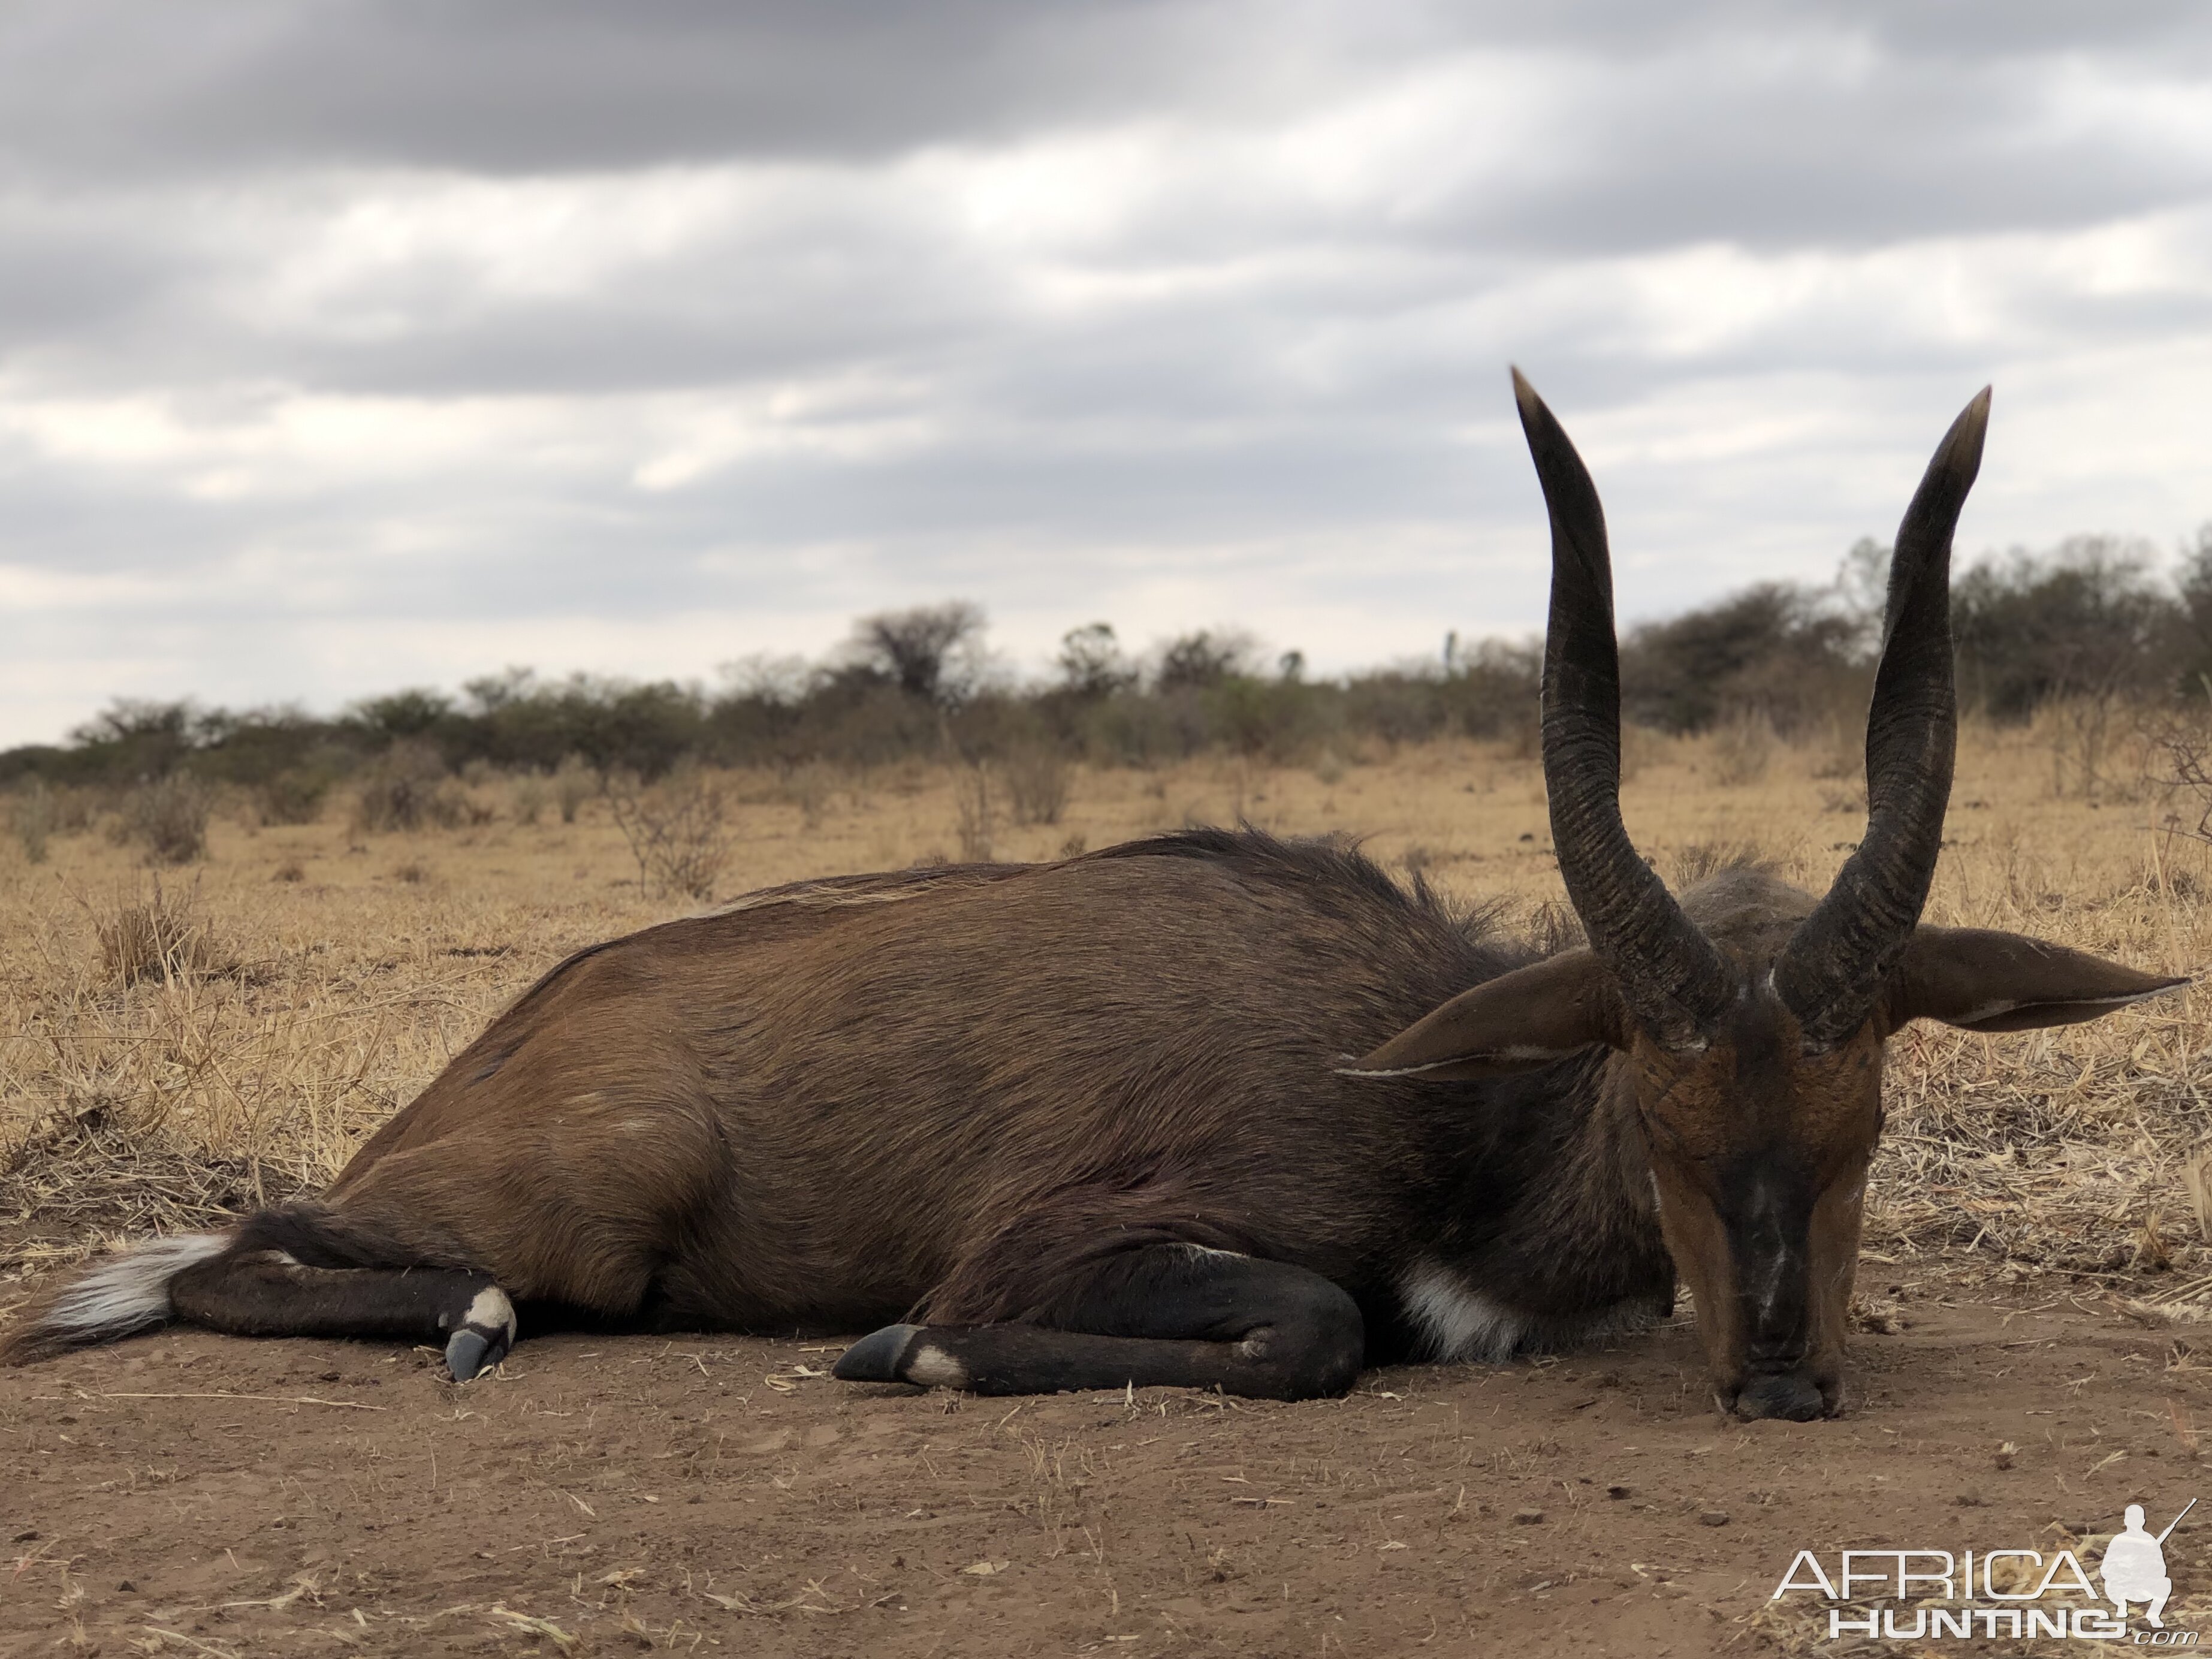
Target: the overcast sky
pixel 347 346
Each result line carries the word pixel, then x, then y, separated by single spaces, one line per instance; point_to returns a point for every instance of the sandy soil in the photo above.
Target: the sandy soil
pixel 191 1493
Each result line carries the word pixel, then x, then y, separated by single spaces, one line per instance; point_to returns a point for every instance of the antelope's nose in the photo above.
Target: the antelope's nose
pixel 1790 1395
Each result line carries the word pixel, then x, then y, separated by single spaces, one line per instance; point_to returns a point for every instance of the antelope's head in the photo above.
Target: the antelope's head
pixel 1751 1025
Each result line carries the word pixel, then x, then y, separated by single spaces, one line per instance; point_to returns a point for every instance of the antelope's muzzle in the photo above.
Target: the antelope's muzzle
pixel 1793 1394
pixel 1770 1240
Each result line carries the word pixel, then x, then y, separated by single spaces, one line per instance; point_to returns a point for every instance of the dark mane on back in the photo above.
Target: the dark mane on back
pixel 1335 860
pixel 1320 864
pixel 878 887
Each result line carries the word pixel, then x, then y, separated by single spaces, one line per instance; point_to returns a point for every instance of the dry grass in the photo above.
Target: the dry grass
pixel 157 1099
pixel 160 935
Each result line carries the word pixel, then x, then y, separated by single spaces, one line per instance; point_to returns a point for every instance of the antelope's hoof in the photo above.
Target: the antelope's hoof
pixel 875 1358
pixel 486 1332
pixel 468 1353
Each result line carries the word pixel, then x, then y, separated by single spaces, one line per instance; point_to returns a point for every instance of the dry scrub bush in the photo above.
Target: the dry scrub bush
pixel 808 788
pixel 32 816
pixel 293 797
pixel 1037 781
pixel 75 811
pixel 529 797
pixel 167 819
pixel 2177 747
pixel 975 813
pixel 408 789
pixel 2086 736
pixel 572 785
pixel 678 830
pixel 1742 749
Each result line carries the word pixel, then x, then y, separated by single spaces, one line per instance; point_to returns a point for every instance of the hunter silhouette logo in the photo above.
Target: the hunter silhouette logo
pixel 1987 1594
pixel 2135 1565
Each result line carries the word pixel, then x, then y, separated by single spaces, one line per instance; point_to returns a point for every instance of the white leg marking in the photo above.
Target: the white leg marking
pixel 1455 1320
pixel 933 1368
pixel 491 1311
pixel 128 1292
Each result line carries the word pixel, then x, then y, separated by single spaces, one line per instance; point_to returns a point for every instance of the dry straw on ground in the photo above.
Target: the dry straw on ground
pixel 166 1057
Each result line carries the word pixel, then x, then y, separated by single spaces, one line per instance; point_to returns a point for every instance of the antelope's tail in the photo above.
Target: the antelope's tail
pixel 109 1299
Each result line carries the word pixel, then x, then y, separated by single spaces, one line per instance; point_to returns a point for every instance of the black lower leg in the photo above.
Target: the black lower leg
pixel 1166 1314
pixel 266 1293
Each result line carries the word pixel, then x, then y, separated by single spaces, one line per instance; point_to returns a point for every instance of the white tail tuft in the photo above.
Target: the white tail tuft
pixel 118 1295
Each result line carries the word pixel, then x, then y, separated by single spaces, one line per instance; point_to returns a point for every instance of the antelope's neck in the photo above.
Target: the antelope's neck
pixel 1616 1199
pixel 1553 1235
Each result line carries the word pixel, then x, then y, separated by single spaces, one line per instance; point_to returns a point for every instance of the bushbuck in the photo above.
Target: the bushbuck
pixel 1108 1120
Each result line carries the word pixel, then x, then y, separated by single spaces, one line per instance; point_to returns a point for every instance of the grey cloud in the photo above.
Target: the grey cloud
pixel 1663 127
pixel 1711 111
pixel 519 85
pixel 1278 386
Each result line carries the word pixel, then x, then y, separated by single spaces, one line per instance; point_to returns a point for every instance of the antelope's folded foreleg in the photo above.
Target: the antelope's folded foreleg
pixel 1178 1314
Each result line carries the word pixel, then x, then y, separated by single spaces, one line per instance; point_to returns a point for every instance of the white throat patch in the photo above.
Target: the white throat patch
pixel 1455 1320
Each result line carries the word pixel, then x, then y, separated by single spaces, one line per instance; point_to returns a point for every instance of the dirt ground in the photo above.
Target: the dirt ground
pixel 191 1493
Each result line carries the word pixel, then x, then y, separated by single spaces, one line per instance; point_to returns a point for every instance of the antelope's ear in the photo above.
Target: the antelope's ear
pixel 1526 1019
pixel 1981 981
